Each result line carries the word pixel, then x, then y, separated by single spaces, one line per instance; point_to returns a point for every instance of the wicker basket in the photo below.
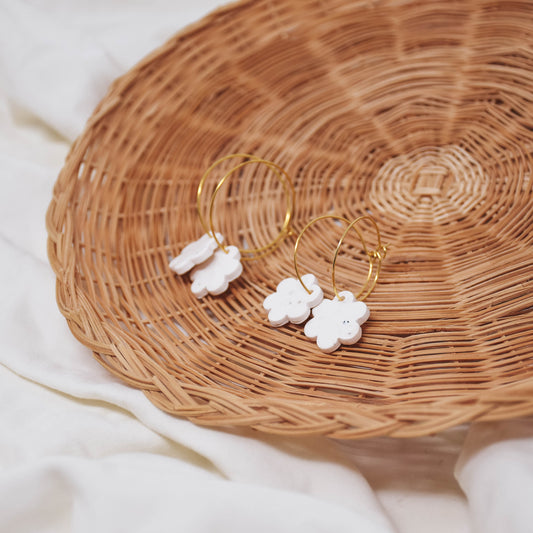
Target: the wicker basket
pixel 419 113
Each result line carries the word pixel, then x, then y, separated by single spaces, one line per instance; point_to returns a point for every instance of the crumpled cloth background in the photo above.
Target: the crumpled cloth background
pixel 82 452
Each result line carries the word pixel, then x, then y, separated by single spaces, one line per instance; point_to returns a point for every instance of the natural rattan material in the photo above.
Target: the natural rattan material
pixel 418 113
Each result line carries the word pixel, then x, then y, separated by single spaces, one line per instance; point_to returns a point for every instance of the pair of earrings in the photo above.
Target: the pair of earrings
pixel 335 321
pixel 213 266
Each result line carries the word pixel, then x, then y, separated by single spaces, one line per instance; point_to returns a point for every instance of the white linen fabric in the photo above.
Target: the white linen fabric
pixel 80 451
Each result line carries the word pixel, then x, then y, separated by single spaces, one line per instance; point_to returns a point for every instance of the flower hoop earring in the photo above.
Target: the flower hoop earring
pixel 212 264
pixel 295 297
pixel 338 321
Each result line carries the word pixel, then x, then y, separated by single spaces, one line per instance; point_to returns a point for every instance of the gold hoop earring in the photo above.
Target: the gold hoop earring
pixel 338 321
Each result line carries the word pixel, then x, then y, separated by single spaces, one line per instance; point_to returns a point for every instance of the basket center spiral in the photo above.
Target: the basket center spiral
pixel 428 176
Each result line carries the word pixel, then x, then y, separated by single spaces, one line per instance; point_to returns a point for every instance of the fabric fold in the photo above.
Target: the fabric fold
pixel 495 470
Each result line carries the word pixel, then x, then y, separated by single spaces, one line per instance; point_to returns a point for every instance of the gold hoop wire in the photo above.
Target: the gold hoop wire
pixel 297 243
pixel 283 178
pixel 375 257
pixel 200 189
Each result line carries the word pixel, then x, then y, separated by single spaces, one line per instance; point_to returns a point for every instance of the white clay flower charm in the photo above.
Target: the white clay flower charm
pixel 214 275
pixel 337 322
pixel 291 302
pixel 195 253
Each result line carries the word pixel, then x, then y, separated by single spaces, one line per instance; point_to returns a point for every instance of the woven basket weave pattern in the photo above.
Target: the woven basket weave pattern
pixel 418 113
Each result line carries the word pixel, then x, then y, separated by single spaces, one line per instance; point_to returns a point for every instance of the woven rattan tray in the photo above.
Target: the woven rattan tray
pixel 418 113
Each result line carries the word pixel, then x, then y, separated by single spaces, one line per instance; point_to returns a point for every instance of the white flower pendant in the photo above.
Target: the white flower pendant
pixel 291 302
pixel 337 322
